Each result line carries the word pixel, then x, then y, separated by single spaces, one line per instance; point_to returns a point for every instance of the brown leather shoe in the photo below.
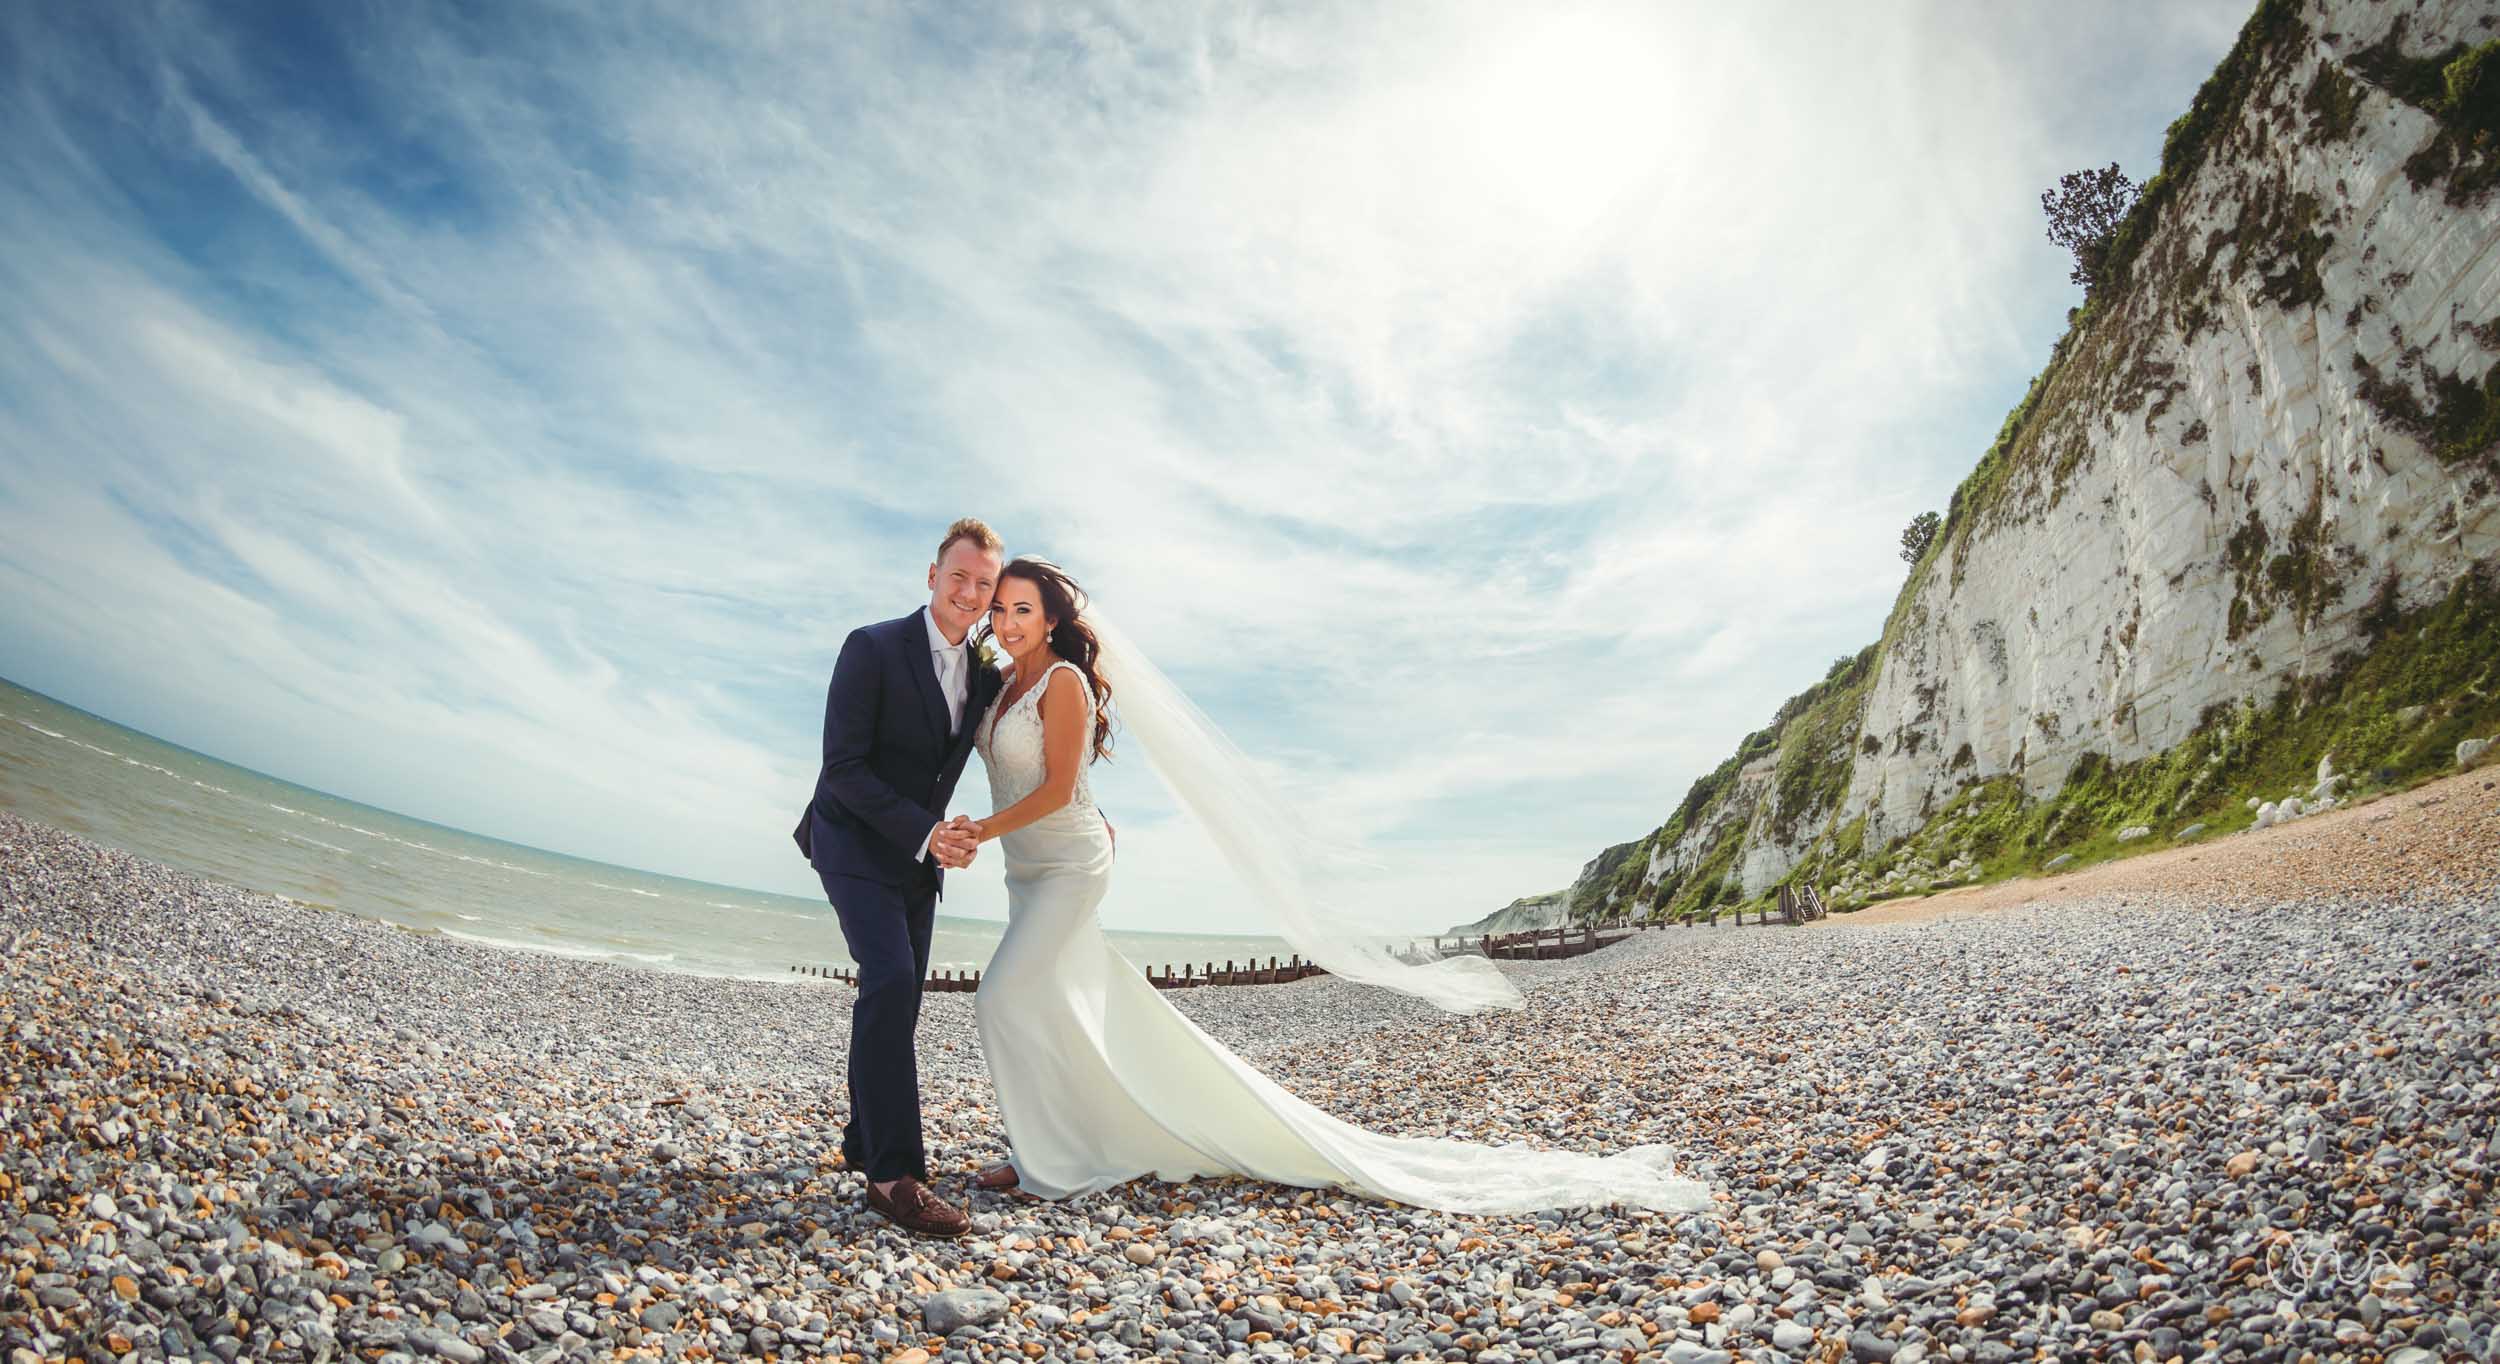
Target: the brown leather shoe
pixel 913 1208
pixel 999 1177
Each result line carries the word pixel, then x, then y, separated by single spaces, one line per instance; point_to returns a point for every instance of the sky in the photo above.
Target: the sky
pixel 1486 412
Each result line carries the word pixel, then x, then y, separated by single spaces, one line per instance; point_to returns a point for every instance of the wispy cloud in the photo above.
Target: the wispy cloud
pixel 1487 412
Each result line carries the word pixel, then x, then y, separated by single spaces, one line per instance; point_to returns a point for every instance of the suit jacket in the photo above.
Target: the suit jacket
pixel 891 762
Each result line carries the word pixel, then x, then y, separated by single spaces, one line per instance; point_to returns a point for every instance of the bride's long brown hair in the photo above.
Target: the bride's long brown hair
pixel 1072 639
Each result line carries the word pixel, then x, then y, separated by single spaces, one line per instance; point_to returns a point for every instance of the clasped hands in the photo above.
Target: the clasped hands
pixel 954 842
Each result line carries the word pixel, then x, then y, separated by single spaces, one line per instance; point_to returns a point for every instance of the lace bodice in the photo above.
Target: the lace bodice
pixel 1010 740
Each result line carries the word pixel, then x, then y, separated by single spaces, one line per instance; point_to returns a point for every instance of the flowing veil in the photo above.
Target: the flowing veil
pixel 1266 844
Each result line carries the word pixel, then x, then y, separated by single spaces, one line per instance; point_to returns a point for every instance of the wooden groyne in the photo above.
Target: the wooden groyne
pixel 1545 944
pixel 1801 905
pixel 1797 905
pixel 1185 976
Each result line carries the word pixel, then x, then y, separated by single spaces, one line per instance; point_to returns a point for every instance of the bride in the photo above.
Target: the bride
pixel 1100 1080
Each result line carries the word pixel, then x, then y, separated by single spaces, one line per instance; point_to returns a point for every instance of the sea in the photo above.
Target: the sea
pixel 111 784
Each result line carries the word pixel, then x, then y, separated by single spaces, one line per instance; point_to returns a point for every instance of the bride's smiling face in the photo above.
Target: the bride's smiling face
pixel 1017 622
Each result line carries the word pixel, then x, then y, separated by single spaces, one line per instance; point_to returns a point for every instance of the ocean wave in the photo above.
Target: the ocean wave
pixel 662 961
pixel 47 733
pixel 499 866
pixel 315 842
pixel 420 847
pixel 206 787
pixel 651 894
pixel 759 909
pixel 784 976
pixel 551 949
pixel 285 811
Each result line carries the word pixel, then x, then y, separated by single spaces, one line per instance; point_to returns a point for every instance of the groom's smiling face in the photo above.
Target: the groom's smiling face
pixel 961 583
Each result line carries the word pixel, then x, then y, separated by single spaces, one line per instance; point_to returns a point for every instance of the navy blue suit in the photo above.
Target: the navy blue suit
pixel 890 767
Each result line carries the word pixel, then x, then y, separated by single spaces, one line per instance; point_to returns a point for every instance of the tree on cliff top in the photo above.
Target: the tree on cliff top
pixel 1917 536
pixel 2084 213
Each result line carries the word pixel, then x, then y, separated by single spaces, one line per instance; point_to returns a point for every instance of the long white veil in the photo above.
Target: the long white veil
pixel 1265 842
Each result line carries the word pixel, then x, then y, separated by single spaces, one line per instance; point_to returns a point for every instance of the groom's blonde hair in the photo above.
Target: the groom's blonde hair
pixel 970 528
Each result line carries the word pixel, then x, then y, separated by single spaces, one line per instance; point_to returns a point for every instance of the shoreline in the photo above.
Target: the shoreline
pixel 2098 1125
pixel 125 788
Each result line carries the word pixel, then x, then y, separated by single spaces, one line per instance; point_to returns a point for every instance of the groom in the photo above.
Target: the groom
pixel 899 718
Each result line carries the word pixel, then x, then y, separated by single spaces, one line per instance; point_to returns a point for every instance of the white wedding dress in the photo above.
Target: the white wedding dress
pixel 1100 1080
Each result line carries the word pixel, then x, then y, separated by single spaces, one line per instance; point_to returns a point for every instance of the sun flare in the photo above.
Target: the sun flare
pixel 1572 109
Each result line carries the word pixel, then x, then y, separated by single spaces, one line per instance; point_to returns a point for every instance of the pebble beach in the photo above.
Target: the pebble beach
pixel 2242 1110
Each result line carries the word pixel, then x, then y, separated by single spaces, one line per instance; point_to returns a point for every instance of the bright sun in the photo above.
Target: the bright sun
pixel 1571 109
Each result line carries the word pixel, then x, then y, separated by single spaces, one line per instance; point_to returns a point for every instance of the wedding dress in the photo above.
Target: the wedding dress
pixel 1100 1080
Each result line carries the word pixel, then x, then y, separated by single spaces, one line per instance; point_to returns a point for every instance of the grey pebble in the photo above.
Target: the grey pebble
pixel 672 1140
pixel 446 1345
pixel 951 1311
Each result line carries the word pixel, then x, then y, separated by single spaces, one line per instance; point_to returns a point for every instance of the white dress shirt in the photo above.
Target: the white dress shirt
pixel 954 674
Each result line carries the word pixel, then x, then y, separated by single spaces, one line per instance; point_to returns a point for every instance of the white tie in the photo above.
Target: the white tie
pixel 950 681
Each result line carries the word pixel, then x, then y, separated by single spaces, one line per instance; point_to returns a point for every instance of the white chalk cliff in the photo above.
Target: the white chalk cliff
pixel 2270 431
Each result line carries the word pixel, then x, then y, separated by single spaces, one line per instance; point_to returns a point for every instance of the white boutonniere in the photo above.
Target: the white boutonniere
pixel 985 655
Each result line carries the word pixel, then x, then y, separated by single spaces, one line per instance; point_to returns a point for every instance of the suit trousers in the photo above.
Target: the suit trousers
pixel 887 929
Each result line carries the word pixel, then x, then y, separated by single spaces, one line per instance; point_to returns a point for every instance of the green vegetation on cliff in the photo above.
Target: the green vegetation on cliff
pixel 2152 285
pixel 2458 87
pixel 1812 737
pixel 2389 715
